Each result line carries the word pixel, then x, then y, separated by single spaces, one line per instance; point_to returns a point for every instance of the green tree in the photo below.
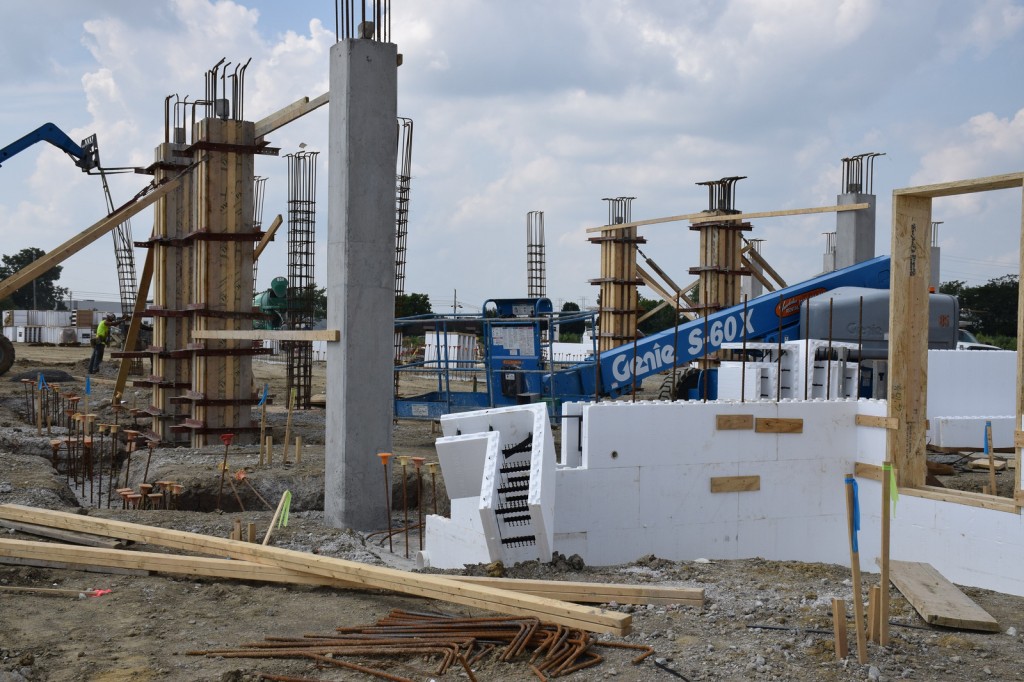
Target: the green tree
pixel 320 303
pixel 990 308
pixel 663 319
pixel 42 294
pixel 407 305
pixel 574 329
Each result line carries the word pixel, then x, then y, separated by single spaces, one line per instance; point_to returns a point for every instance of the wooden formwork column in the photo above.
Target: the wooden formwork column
pixel 171 287
pixel 618 311
pixel 721 266
pixel 221 296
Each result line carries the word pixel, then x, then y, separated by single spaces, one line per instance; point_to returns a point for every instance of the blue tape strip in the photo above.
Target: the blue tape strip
pixel 263 398
pixel 856 512
pixel 88 385
pixel 984 436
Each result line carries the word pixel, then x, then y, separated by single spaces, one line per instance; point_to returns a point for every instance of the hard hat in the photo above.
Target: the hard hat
pixel 111 316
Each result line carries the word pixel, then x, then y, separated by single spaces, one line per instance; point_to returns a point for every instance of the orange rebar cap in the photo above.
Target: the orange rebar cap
pixel 384 457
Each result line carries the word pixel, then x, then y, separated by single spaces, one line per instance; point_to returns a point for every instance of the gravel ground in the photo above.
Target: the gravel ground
pixel 762 620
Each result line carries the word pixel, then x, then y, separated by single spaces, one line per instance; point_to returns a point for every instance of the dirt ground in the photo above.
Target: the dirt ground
pixel 762 620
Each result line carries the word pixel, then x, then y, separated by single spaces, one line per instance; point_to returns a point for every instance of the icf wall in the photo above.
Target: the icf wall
pixel 641 478
pixel 645 481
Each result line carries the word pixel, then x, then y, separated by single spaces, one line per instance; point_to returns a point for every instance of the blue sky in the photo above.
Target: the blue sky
pixel 531 105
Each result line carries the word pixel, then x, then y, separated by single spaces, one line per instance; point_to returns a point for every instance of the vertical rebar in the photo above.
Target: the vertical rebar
pixel 743 359
pixel 384 456
pixel 828 371
pixel 301 261
pixel 778 360
pixel 808 365
pixel 860 344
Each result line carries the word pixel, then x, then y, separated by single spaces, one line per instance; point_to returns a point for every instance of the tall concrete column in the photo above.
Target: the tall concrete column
pixel 855 230
pixel 360 279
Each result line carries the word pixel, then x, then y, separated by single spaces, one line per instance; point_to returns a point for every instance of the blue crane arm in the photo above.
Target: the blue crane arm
pixel 760 320
pixel 48 132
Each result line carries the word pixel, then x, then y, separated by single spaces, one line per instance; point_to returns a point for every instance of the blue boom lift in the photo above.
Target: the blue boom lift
pixel 516 370
pixel 85 156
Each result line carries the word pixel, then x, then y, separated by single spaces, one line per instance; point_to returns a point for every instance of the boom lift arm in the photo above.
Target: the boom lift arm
pixel 84 154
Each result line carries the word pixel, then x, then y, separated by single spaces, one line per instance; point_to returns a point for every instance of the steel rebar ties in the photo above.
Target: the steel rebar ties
pixel 358 23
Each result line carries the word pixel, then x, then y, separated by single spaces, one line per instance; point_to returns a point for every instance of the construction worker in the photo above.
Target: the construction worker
pixel 100 340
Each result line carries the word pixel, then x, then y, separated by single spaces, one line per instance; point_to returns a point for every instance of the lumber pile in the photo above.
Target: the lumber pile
pixel 547 601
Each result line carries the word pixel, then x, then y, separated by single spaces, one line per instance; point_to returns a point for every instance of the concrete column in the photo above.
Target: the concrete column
pixel 855 230
pixel 360 279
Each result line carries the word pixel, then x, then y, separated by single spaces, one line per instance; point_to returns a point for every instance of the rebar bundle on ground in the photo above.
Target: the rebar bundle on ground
pixel 549 650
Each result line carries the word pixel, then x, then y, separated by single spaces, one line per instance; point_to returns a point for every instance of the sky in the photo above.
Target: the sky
pixel 535 105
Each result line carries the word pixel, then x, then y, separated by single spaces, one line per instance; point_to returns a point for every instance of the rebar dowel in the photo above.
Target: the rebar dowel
pixel 417 463
pixel 432 467
pixel 384 456
pixel 404 461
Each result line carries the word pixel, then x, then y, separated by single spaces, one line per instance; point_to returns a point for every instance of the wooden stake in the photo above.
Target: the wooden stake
pixel 874 593
pixel 288 424
pixel 842 645
pixel 250 535
pixel 992 489
pixel 883 582
pixel 298 449
pixel 39 408
pixel 858 604
pixel 263 430
pixel 270 451
pixel 277 515
pixel 236 529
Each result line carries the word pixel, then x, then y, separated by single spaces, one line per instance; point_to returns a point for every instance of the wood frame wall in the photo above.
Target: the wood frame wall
pixel 908 324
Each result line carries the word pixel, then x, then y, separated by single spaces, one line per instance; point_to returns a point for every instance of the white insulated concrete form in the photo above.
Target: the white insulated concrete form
pixel 360 278
pixel 720 480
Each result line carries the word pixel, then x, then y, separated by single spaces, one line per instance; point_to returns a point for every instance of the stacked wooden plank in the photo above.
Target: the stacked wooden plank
pixel 249 561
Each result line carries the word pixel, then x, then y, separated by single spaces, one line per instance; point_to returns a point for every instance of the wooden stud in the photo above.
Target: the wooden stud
pixel 288 424
pixel 284 116
pixel 772 425
pixel 842 643
pixel 270 334
pixel 874 594
pixel 993 489
pixel 734 422
pixel 140 563
pixel 595 593
pixel 908 342
pixel 971 186
pixel 703 217
pixel 268 236
pixel 858 604
pixel 876 421
pixel 735 484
